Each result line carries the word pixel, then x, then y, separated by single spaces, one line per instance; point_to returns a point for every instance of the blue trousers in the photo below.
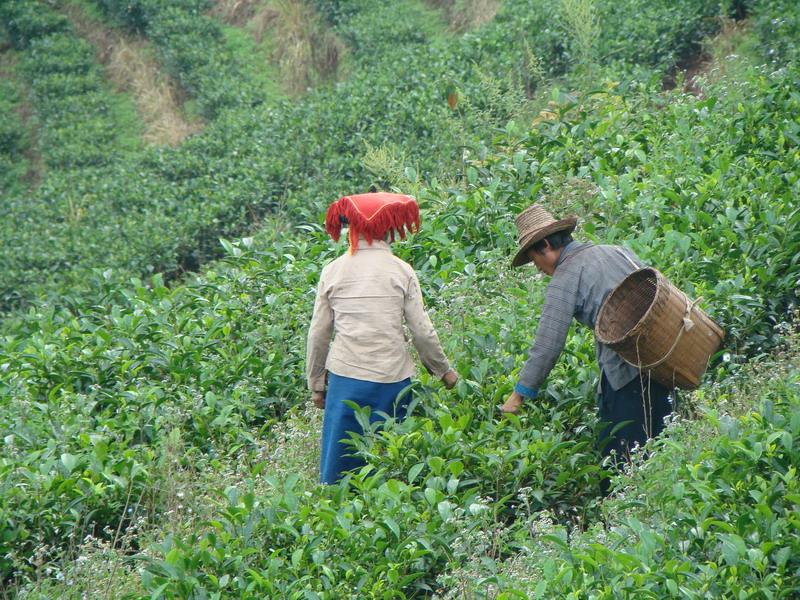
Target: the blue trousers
pixel 637 410
pixel 643 412
pixel 336 457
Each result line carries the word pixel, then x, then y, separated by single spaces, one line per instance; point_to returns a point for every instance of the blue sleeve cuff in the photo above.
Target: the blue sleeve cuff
pixel 526 391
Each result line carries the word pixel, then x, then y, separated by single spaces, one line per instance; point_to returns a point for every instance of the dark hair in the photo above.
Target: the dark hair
pixel 557 240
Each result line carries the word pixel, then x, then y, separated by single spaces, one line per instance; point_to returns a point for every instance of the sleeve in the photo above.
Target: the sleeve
pixel 561 300
pixel 319 339
pixel 423 334
pixel 526 391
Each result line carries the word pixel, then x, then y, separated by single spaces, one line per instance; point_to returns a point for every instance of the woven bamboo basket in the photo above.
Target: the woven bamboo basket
pixel 656 328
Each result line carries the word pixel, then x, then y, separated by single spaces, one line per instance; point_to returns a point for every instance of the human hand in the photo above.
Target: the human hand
pixel 450 379
pixel 513 404
pixel 318 398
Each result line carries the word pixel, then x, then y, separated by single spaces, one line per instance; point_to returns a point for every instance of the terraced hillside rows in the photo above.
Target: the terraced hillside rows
pixel 162 210
pixel 16 131
pixel 82 123
pixel 157 440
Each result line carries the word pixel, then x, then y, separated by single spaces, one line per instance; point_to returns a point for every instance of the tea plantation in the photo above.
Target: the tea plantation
pixel 156 436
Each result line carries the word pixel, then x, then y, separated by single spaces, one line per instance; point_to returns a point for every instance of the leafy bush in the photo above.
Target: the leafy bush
pixel 86 423
pixel 26 21
pixel 97 383
pixel 712 512
pixel 81 123
pixel 63 53
pixel 14 138
pixel 662 34
pixel 652 175
pixel 778 25
pixel 329 545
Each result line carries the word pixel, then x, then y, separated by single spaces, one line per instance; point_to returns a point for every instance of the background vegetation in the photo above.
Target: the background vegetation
pixel 157 441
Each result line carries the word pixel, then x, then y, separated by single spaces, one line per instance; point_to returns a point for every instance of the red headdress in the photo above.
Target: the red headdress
pixel 372 216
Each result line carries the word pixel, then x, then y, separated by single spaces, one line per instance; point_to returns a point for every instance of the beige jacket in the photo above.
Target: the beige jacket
pixel 364 298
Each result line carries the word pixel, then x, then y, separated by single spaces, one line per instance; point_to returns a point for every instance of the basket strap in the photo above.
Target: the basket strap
pixel 628 258
pixel 687 325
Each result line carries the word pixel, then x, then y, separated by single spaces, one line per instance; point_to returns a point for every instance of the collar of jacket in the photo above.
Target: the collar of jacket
pixel 375 245
pixel 571 249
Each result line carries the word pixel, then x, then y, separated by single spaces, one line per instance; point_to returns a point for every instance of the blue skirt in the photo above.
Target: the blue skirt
pixel 340 419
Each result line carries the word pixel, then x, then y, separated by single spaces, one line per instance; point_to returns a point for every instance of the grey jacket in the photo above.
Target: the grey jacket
pixel 585 274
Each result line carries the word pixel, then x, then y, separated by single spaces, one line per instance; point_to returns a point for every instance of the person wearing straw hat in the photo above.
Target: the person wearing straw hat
pixel 363 299
pixel 581 276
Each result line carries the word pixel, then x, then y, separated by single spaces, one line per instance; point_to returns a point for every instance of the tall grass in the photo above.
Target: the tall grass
pixel 306 51
pixel 292 37
pixel 236 12
pixel 581 24
pixel 158 99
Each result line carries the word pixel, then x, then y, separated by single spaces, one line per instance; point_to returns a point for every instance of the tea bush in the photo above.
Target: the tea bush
pixel 99 384
pixel 82 123
pixel 663 34
pixel 778 26
pixel 708 179
pixel 194 50
pixel 25 21
pixel 15 138
pixel 88 398
pixel 711 513
pixel 606 148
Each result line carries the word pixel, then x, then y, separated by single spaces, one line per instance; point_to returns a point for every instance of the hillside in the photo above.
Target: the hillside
pixel 261 151
pixel 158 441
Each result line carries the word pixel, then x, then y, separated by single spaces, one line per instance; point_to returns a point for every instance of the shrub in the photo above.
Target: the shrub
pixel 164 210
pixel 713 509
pixel 778 25
pixel 25 22
pixel 194 50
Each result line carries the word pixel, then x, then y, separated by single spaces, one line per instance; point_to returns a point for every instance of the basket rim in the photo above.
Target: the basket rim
pixel 604 307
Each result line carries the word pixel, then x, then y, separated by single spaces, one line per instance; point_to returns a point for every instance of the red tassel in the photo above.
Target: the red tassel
pixel 373 216
pixel 333 222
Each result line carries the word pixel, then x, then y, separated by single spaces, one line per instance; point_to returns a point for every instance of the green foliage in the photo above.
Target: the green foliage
pixel 580 23
pixel 26 21
pixel 408 24
pixel 194 50
pixel 719 521
pixel 84 422
pixel 81 124
pixel 12 131
pixel 660 34
pixel 778 25
pixel 163 210
pixel 320 543
pixel 701 188
pixel 103 381
pixel 14 138
pixel 609 156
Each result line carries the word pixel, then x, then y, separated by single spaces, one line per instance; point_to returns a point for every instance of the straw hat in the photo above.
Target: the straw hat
pixel 534 224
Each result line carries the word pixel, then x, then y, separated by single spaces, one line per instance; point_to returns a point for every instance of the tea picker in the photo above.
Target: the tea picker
pixel 356 351
pixel 650 338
